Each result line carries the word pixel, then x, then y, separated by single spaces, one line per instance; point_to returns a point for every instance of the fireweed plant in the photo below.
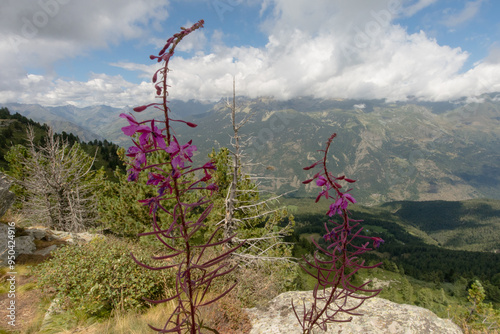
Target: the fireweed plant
pixel 334 266
pixel 176 181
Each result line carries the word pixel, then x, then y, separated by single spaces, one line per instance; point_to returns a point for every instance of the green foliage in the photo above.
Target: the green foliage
pixel 13 132
pixel 258 217
pixel 119 209
pixel 406 290
pixel 100 276
pixel 55 182
pixel 477 315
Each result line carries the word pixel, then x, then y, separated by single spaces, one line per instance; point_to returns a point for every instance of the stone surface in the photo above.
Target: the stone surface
pixel 45 251
pixel 37 233
pixel 23 244
pixel 6 197
pixel 380 316
pixel 70 237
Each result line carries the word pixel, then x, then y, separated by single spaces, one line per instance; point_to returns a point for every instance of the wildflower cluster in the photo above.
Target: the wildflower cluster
pixel 175 179
pixel 334 266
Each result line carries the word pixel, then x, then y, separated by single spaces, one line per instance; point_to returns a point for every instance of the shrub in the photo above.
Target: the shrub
pixel 100 276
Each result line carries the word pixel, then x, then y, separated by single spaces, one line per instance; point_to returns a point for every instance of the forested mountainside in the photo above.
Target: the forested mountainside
pixel 433 241
pixel 13 132
pixel 396 151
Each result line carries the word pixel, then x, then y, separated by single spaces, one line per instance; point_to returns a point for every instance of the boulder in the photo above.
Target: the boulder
pixel 380 316
pixel 23 244
pixel 71 237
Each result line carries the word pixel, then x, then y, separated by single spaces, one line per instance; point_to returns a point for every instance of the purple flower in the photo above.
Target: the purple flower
pixel 162 181
pixel 137 154
pixel 332 235
pixel 152 135
pixel 321 181
pixel 133 173
pixel 152 203
pixel 377 241
pixel 340 204
pixel 180 153
pixel 133 127
pixel 212 187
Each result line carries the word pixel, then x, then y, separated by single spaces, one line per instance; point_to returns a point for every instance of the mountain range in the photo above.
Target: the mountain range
pixel 396 151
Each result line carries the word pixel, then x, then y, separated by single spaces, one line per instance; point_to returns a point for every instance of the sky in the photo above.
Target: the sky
pixel 96 52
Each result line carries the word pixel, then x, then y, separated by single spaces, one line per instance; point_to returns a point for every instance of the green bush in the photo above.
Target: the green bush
pixel 100 276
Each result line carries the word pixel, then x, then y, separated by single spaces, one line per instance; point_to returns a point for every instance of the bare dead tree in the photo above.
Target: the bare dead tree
pixel 267 244
pixel 60 184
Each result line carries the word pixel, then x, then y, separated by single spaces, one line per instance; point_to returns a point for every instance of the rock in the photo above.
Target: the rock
pixel 45 251
pixel 6 197
pixel 71 237
pixel 37 233
pixel 380 316
pixel 23 244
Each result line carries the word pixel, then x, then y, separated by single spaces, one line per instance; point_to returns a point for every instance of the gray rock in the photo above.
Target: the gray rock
pixel 26 245
pixel 37 233
pixel 380 316
pixel 22 244
pixel 6 197
pixel 71 237
pixel 45 251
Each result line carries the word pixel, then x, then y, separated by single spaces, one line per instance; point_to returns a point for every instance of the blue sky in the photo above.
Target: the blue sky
pixel 58 52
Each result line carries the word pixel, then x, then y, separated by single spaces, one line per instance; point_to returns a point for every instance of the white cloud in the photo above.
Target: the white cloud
pixel 469 12
pixel 333 49
pixel 40 33
pixel 416 7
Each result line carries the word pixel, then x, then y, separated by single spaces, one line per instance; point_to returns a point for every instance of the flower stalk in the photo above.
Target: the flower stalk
pixel 176 181
pixel 336 297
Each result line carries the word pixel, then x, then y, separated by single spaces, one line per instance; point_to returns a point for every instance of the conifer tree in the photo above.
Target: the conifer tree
pixel 56 182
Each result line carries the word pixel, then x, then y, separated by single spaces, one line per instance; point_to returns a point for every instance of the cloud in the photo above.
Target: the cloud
pixel 335 49
pixel 468 13
pixel 416 7
pixel 46 31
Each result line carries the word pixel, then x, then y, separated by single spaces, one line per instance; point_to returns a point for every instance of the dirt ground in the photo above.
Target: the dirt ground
pixel 27 303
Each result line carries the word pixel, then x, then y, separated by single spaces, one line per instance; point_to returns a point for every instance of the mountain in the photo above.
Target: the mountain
pixel 396 151
pixel 430 240
pixel 13 129
pixel 96 122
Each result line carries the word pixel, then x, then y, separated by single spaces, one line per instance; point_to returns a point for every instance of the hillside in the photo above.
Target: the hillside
pixel 397 151
pixel 13 132
pixel 432 241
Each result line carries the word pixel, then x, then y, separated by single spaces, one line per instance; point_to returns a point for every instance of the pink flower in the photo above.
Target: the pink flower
pixel 377 241
pixel 133 127
pixel 138 154
pixel 321 181
pixel 340 204
pixel 152 136
pixel 180 153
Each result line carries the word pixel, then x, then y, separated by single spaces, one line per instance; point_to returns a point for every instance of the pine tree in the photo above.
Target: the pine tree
pixel 55 182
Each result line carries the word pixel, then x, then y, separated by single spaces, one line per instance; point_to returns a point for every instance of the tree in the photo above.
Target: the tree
pixel 57 182
pixel 119 209
pixel 256 221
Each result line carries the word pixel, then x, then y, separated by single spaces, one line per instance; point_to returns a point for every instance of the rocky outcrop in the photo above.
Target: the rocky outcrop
pixel 25 240
pixel 380 316
pixel 6 197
